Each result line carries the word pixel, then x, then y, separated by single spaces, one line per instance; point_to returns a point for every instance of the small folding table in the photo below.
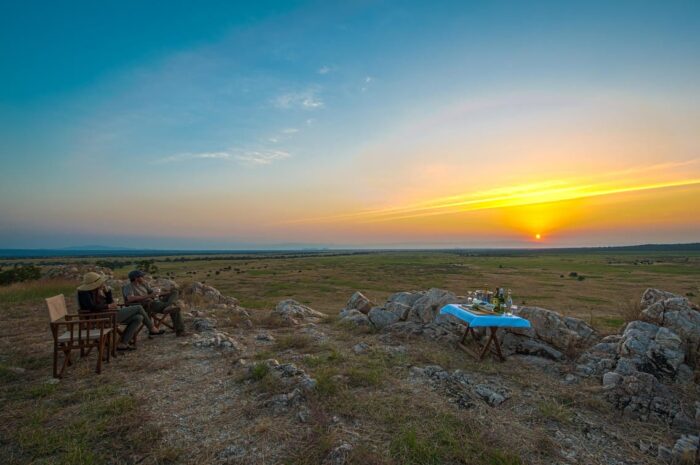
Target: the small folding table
pixel 475 318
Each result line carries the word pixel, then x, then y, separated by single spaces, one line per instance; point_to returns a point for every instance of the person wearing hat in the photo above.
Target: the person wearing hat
pixel 94 296
pixel 139 292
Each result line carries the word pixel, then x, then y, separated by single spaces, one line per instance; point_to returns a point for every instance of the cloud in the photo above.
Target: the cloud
pixel 248 157
pixel 324 69
pixel 367 81
pixel 290 131
pixel 262 157
pixel 307 100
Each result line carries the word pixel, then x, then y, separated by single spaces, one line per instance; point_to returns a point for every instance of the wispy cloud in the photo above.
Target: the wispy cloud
pixel 262 157
pixel 248 157
pixel 324 69
pixel 366 82
pixel 307 100
pixel 290 131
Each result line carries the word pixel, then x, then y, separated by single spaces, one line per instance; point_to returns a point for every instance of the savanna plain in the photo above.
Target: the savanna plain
pixel 172 402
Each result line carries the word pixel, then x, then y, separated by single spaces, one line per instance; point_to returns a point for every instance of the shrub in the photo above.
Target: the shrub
pixel 18 274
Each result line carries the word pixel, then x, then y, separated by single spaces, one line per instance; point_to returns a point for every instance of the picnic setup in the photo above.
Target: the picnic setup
pixel 489 310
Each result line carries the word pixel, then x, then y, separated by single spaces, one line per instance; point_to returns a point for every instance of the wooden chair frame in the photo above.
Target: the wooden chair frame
pixel 157 318
pixel 83 334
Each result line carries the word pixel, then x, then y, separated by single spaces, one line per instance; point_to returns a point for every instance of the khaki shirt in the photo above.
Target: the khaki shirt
pixel 133 289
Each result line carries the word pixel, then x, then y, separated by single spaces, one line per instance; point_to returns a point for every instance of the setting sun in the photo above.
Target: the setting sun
pixel 538 236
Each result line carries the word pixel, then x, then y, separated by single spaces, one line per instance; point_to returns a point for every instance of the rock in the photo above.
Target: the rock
pixel 399 309
pixel 52 381
pixel 490 395
pixel 404 298
pixel 406 328
pixel 339 455
pixel 204 324
pixel 247 324
pixel 640 395
pixel 426 308
pixel 649 348
pixel 355 317
pixel 563 333
pixel 359 302
pixel 396 351
pixel 381 318
pixel 232 452
pixel 652 296
pixel 197 291
pixel 291 310
pixel 284 401
pixel 303 416
pixel 685 450
pixel 307 383
pixel 216 339
pixel 515 343
pixel 677 314
pixel 267 337
pixel 611 380
pixel 360 348
pixel 164 284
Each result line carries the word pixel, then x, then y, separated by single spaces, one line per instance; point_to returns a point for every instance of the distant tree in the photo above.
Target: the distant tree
pixel 19 273
pixel 147 266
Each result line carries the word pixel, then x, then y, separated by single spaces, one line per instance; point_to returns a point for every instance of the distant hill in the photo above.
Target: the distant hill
pixel 94 248
pixel 107 251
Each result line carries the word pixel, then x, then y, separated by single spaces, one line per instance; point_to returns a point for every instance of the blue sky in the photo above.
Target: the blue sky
pixel 181 124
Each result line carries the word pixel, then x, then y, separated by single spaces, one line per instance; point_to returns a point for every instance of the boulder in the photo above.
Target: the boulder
pixel 677 314
pixel 293 311
pixel 563 333
pixel 399 309
pixel 207 294
pixel 518 344
pixel 381 318
pixel 426 307
pixel 359 302
pixel 651 349
pixel 354 317
pixel 405 298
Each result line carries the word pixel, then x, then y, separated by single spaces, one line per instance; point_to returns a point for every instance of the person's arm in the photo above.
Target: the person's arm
pixel 131 298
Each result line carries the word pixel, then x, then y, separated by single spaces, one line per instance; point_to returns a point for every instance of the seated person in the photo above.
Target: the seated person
pixel 95 297
pixel 139 292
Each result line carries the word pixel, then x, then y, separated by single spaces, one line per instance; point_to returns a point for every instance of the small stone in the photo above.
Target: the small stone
pixel 339 455
pixel 247 324
pixel 360 348
pixel 303 416
pixel 52 381
pixel 570 379
pixel 265 337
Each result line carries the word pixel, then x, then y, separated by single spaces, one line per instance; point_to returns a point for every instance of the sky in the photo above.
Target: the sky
pixel 349 124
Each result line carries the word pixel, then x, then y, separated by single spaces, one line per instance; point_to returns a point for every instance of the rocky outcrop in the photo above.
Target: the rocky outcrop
pixel 198 292
pixel 74 272
pixel 563 333
pixel 462 388
pixel 677 314
pixel 295 312
pixel 637 367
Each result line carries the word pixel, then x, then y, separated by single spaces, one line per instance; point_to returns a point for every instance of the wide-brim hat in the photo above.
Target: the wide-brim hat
pixel 92 281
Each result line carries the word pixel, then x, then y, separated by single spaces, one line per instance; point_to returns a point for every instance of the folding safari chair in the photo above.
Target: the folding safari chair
pixel 119 328
pixel 157 318
pixel 81 334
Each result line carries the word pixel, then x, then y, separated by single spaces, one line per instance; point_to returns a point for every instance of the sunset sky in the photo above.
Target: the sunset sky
pixel 349 124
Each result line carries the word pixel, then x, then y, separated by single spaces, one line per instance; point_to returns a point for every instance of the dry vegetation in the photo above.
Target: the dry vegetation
pixel 170 402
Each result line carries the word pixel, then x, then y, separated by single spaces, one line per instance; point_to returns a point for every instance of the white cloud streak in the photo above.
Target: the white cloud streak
pixel 307 100
pixel 246 157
